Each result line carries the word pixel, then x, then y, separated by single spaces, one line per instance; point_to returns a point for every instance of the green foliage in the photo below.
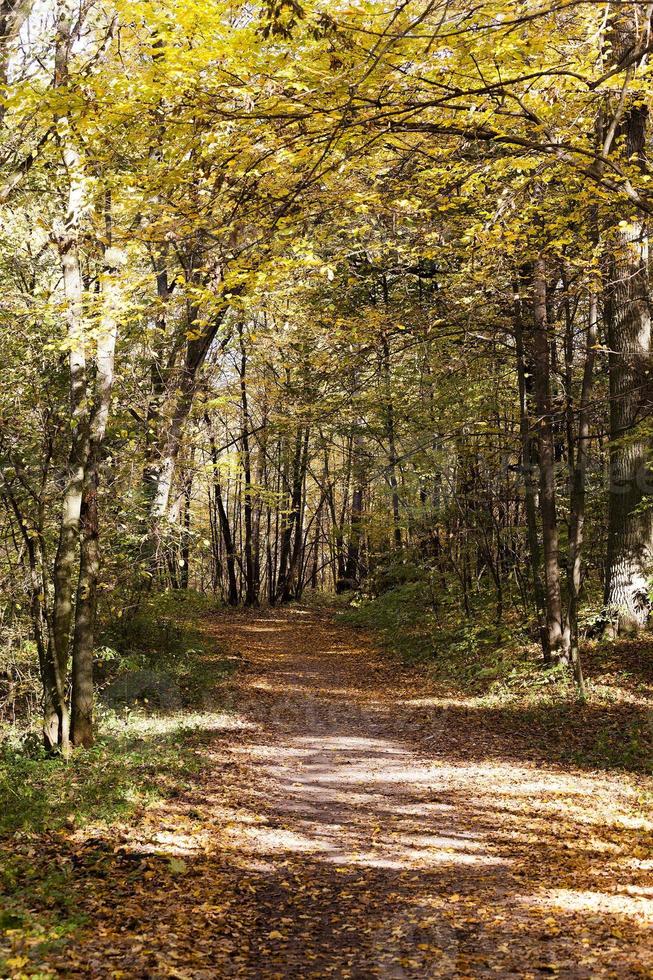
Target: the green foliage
pixel 20 686
pixel 497 673
pixel 401 617
pixel 470 652
pixel 160 627
pixel 141 753
pixel 168 633
pixel 137 759
pixel 397 573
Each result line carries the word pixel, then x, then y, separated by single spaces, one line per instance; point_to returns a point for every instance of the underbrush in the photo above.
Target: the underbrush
pixel 159 672
pixel 138 758
pixel 57 815
pixel 19 675
pixel 496 671
pixel 148 750
pixel 166 634
pixel 469 654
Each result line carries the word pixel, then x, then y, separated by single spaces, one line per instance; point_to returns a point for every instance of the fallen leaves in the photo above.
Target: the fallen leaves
pixel 325 837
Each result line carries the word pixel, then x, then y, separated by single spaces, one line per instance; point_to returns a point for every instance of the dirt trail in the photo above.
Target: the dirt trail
pixel 354 825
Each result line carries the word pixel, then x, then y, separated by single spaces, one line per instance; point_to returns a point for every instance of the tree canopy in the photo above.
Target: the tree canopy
pixel 305 296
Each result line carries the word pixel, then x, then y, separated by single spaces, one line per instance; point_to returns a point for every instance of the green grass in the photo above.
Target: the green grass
pixel 141 757
pixel 498 672
pixel 138 761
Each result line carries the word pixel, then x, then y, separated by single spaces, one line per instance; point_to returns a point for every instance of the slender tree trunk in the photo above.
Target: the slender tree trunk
pixel 352 567
pixel 284 579
pixel 337 537
pixel 85 612
pixel 530 492
pixel 294 582
pixel 223 519
pixel 251 585
pixel 392 446
pixel 158 374
pixel 557 635
pixel 578 462
pixel 180 394
pixel 316 544
pixel 273 553
pixel 262 481
pixel 89 561
pixel 65 561
pixel 33 542
pixel 184 573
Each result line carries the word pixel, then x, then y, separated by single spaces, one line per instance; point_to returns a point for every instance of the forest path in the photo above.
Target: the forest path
pixel 354 825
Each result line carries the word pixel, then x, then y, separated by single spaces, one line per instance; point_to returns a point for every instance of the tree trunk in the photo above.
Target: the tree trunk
pixel 251 584
pixel 85 612
pixel 181 388
pixel 223 520
pixel 89 562
pixel 629 526
pixel 392 447
pixel 578 462
pixel 557 634
pixel 184 572
pixel 530 494
pixel 66 555
pixel 628 321
pixel 284 578
pixel 158 375
pixel 352 566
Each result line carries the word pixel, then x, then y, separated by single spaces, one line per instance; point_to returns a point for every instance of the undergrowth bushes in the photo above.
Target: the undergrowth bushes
pixel 166 634
pixel 161 628
pixel 159 671
pixel 470 653
pixel 497 670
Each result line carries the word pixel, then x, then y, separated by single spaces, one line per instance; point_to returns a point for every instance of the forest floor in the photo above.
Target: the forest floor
pixel 349 819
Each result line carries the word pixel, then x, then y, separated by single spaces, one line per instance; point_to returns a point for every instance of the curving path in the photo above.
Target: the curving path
pixel 351 822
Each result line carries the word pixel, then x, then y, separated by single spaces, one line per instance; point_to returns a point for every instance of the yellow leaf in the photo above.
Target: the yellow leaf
pixel 17 962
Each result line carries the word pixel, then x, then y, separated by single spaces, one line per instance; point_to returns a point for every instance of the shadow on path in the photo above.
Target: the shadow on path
pixel 349 829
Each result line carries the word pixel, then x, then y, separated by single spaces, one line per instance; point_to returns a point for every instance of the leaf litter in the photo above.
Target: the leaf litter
pixel 354 823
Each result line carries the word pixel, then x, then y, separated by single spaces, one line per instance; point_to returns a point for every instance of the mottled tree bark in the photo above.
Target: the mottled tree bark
pixel 623 132
pixel 89 559
pixel 630 529
pixel 628 323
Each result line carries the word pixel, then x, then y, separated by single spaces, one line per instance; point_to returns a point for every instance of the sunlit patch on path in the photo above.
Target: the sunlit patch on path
pixel 340 830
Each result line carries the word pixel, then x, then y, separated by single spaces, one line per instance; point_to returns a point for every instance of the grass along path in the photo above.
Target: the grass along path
pixel 349 821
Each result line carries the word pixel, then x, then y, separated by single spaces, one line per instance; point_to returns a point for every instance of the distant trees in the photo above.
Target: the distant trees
pixel 324 303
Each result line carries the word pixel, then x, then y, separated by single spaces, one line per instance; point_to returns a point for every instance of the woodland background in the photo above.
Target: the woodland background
pixel 304 299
